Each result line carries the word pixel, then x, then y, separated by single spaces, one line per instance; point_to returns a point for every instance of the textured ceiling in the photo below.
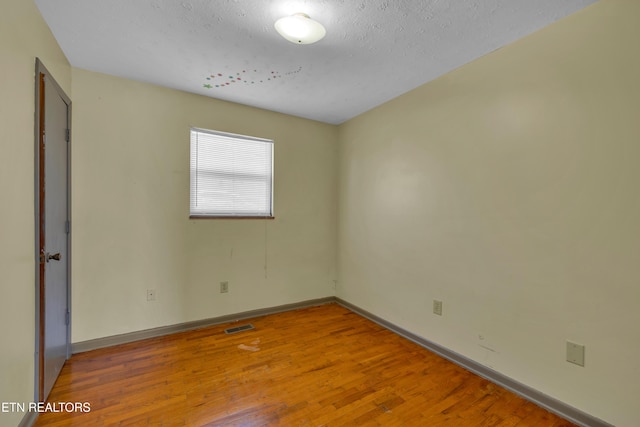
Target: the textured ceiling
pixel 374 50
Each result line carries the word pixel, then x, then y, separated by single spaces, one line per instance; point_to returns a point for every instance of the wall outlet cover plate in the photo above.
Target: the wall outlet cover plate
pixel 575 353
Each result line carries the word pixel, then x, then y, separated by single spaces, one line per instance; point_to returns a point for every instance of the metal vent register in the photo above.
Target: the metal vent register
pixel 237 329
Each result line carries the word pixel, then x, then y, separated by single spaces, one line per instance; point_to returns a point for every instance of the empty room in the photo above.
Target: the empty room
pixel 305 213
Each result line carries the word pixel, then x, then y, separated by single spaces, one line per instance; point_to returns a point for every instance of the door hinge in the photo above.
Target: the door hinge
pixel 67 135
pixel 67 316
pixel 67 227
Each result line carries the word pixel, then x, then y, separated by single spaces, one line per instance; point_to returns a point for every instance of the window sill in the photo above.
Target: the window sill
pixel 229 217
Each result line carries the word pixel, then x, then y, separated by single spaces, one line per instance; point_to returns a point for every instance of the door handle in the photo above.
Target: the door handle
pixel 55 257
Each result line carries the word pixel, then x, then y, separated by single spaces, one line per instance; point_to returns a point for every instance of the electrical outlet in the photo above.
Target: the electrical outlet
pixel 437 307
pixel 575 353
pixel 224 287
pixel 151 294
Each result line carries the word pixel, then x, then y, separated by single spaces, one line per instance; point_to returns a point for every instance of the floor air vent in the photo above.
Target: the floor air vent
pixel 239 329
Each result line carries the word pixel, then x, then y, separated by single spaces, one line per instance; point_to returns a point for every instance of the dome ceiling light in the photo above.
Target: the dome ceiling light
pixel 300 29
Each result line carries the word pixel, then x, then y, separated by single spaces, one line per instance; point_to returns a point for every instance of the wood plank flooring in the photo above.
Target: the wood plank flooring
pixel 319 366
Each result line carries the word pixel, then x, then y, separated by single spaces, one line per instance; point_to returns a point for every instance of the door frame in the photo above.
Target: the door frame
pixel 41 73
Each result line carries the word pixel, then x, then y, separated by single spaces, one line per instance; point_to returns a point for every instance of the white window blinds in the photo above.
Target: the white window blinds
pixel 231 175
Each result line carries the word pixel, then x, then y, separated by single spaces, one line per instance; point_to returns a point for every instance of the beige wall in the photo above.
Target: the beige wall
pixel 131 227
pixel 23 37
pixel 509 190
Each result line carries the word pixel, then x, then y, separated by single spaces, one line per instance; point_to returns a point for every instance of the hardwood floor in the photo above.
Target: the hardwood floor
pixel 319 366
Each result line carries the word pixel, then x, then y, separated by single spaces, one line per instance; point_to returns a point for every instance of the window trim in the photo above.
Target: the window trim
pixel 238 136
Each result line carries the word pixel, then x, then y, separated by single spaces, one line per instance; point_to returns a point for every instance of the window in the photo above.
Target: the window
pixel 231 175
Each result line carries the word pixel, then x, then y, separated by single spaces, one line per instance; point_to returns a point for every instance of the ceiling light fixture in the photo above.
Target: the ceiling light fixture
pixel 300 29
